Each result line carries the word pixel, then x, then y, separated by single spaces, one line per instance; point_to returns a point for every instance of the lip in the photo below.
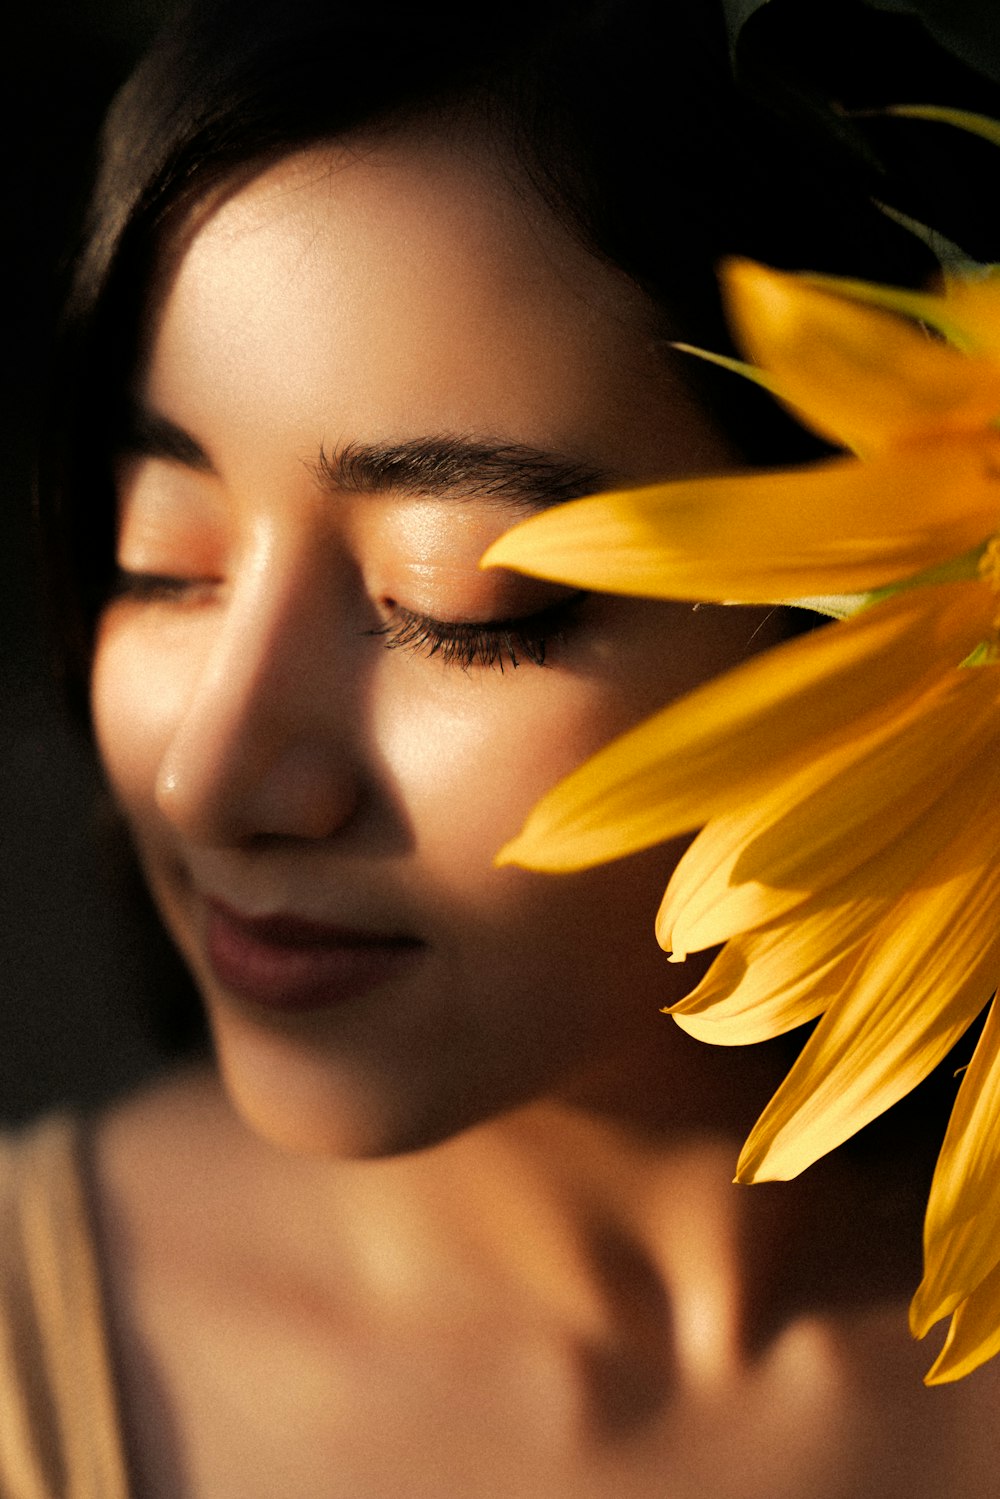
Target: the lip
pixel 284 962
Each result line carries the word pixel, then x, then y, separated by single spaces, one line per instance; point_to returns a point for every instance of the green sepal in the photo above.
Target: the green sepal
pixel 963 119
pixel 953 260
pixel 737 13
pixel 986 653
pixel 964 569
pixel 835 605
pixel 735 366
pixel 920 307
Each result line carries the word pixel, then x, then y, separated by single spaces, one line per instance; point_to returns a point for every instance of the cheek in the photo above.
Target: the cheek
pixel 468 754
pixel 468 762
pixel 468 773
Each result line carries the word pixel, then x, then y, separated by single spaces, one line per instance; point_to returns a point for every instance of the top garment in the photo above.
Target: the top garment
pixel 60 1432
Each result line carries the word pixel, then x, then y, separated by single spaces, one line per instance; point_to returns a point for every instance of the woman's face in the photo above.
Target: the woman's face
pixel 362 368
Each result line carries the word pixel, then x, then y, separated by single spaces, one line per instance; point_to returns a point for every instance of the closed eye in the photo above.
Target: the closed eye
pixel 486 643
pixel 147 587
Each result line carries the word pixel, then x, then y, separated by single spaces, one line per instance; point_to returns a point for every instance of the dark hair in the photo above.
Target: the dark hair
pixel 622 113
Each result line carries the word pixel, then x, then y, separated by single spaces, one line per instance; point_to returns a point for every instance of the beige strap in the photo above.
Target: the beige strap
pixel 60 1436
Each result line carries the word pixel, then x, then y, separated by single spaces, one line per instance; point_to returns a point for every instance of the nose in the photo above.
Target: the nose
pixel 264 743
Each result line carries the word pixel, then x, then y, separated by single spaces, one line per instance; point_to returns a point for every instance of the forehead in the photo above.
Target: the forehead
pixel 401 286
pixel 447 203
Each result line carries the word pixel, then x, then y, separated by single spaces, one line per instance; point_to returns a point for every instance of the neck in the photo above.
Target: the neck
pixel 617 1211
pixel 611 1209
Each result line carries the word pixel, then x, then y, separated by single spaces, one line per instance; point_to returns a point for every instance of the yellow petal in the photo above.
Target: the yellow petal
pixel 931 968
pixel 962 1228
pixel 814 935
pixel 974 1335
pixel 967 313
pixel 855 373
pixel 929 307
pixel 778 967
pixel 834 528
pixel 729 740
pixel 974 303
pixel 815 827
pixel 769 982
pixel 793 968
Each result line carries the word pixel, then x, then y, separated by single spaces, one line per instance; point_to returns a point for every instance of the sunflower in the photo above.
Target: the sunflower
pixel 846 783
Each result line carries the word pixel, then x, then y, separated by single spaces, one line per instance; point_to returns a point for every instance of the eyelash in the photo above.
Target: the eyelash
pixel 153 588
pixel 491 643
pixel 496 642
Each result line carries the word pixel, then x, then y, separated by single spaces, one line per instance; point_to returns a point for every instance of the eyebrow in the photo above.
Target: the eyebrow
pixel 144 433
pixel 466 468
pixel 514 475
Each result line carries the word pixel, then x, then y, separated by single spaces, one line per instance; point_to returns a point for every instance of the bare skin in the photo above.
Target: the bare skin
pixel 559 1305
pixel 469 1229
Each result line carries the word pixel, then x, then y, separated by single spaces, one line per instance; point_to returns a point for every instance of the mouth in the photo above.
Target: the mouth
pixel 284 962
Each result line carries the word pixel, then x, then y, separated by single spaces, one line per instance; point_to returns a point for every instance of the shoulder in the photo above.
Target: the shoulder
pixel 72 1193
pixel 164 1161
pixel 58 1422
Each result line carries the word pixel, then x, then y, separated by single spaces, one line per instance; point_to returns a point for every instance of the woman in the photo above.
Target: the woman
pixel 453 1214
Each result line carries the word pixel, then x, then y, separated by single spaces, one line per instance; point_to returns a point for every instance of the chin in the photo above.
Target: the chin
pixel 303 1103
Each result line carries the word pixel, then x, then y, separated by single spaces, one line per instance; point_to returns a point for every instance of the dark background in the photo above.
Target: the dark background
pixel 74 964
